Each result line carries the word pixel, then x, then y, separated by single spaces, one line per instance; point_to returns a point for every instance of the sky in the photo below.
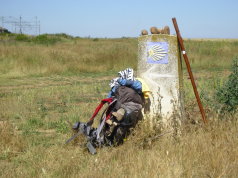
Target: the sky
pixel 126 18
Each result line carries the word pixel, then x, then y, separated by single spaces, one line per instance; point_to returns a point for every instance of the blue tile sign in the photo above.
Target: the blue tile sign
pixel 157 52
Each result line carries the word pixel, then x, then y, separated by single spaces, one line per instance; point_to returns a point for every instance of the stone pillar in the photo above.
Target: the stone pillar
pixel 159 65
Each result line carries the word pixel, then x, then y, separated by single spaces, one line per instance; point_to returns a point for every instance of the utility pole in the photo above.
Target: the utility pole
pixel 2 18
pixel 20 26
pixel 39 27
pixel 15 27
pixel 36 24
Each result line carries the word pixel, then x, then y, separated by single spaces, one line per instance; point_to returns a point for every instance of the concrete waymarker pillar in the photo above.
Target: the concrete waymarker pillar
pixel 159 65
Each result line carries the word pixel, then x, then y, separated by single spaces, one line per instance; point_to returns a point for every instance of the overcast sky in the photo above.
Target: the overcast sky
pixel 118 18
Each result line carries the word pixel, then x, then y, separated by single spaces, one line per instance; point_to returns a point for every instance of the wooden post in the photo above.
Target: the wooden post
pixel 189 69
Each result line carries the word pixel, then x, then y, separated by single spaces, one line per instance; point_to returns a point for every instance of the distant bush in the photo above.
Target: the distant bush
pixel 95 39
pixel 22 37
pixel 63 35
pixel 227 94
pixel 46 39
pixel 5 34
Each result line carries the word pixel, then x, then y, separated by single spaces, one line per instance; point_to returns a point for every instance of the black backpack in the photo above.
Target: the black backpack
pixel 98 137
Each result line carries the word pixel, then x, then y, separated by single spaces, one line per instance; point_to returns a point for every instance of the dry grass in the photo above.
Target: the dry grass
pixel 211 54
pixel 101 55
pixel 12 143
pixel 33 129
pixel 207 151
pixel 33 111
pixel 82 55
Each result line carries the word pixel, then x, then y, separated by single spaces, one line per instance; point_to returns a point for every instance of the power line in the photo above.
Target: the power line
pixel 20 25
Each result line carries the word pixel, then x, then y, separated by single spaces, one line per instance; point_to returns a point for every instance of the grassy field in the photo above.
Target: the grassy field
pixel 43 85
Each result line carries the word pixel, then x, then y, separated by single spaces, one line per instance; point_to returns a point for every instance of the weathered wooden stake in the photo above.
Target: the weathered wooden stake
pixel 189 69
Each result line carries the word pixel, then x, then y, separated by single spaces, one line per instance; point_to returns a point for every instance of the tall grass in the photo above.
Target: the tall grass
pixel 211 54
pixel 199 152
pixel 76 55
pixel 33 126
pixel 34 111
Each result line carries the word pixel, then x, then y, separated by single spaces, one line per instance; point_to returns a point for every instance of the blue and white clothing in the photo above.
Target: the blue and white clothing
pixel 126 78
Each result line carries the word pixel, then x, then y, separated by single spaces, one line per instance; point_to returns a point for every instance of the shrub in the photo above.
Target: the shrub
pixel 95 39
pixel 46 39
pixel 63 35
pixel 227 94
pixel 22 37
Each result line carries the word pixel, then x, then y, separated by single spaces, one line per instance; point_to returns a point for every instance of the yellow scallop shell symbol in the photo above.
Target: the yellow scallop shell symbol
pixel 156 53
